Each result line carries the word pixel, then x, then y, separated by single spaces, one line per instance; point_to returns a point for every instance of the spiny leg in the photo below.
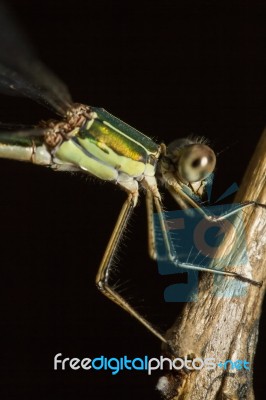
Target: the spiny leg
pixel 181 197
pixel 151 228
pixel 102 278
pixel 173 257
pixel 153 196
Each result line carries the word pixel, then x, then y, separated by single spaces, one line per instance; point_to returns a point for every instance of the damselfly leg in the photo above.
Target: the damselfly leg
pixel 185 201
pixel 102 278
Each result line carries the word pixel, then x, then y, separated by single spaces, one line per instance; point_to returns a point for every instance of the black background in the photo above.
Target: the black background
pixel 168 68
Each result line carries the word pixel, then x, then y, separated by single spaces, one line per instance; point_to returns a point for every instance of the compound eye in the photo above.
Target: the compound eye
pixel 196 162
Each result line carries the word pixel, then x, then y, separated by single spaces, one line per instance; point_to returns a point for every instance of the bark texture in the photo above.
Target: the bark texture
pixel 224 321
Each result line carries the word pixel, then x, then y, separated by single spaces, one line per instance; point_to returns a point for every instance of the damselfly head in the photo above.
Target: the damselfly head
pixel 192 161
pixel 196 162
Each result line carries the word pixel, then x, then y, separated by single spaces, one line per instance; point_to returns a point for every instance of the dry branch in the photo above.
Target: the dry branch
pixel 220 327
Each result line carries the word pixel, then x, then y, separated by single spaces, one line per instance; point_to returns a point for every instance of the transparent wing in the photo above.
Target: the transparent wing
pixel 22 74
pixel 6 126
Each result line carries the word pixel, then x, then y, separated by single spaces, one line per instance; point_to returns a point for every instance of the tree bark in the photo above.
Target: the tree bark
pixel 225 327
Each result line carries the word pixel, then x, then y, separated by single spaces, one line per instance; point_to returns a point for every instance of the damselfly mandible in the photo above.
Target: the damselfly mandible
pixel 91 141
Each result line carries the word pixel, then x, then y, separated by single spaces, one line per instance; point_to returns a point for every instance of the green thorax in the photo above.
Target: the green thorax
pixel 120 132
pixel 105 146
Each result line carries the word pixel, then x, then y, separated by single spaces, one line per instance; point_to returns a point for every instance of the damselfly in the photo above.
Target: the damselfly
pixel 91 141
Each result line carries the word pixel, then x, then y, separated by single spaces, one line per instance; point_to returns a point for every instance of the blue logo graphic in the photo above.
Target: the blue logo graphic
pixel 196 241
